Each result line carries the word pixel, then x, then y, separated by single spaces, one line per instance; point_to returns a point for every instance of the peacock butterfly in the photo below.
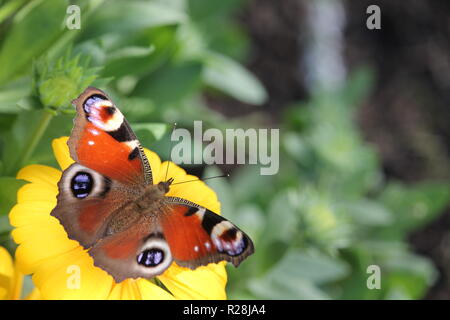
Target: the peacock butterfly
pixel 109 203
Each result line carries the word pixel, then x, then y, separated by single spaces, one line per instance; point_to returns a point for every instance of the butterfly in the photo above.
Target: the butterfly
pixel 109 203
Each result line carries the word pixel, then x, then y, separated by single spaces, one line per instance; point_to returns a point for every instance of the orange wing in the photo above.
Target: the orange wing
pixel 103 140
pixel 197 236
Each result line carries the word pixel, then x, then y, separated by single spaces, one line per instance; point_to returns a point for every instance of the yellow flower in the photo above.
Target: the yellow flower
pixel 46 252
pixel 10 278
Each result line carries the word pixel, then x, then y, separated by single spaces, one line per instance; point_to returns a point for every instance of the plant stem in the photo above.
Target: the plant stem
pixel 8 9
pixel 36 137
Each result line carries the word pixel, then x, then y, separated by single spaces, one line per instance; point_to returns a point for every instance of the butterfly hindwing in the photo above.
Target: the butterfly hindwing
pixel 138 251
pixel 86 202
pixel 179 231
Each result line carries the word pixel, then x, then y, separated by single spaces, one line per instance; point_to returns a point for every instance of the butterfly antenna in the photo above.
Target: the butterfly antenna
pixel 170 150
pixel 221 176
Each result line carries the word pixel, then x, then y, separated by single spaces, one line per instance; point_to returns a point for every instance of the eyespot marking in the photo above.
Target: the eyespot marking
pixel 228 239
pixel 110 110
pixel 81 185
pixel 150 257
pixel 229 235
pixel 91 100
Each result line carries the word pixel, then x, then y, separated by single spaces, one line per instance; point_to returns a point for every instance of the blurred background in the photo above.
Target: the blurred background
pixel 363 118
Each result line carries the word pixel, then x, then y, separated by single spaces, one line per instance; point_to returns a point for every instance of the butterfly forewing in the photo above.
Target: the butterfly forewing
pixel 103 141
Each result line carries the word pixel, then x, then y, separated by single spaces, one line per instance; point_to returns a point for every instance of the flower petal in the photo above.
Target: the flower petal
pixel 36 230
pixel 72 275
pixel 61 151
pixel 155 164
pixel 17 285
pixel 39 242
pixel 37 192
pixel 40 174
pixel 206 282
pixel 152 291
pixel 6 274
pixel 30 212
pixel 195 191
pixel 138 289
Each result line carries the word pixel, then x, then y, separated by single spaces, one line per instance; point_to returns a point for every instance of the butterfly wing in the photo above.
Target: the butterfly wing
pixel 103 141
pixel 96 203
pixel 139 251
pixel 86 202
pixel 182 231
pixel 111 168
pixel 197 236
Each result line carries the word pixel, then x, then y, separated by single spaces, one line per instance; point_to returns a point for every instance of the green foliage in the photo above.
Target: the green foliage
pixel 30 35
pixel 317 225
pixel 8 191
pixel 328 215
pixel 57 83
pixel 224 74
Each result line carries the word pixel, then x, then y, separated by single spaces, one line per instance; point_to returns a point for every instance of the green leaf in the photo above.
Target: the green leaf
pixel 228 76
pixel 60 125
pixel 15 139
pixel 11 94
pixel 140 54
pixel 368 212
pixel 136 109
pixel 34 29
pixel 251 219
pixel 315 267
pixel 149 132
pixel 281 229
pixel 409 273
pixel 9 8
pixel 126 61
pixel 414 206
pixel 247 179
pixel 402 271
pixel 358 86
pixel 298 276
pixel 18 139
pixel 6 123
pixel 5 226
pixel 171 84
pixel 294 289
pixel 8 193
pixel 206 9
pixel 126 17
pixel 222 34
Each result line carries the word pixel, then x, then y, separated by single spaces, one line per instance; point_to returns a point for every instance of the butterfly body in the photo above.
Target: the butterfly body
pixel 109 203
pixel 148 205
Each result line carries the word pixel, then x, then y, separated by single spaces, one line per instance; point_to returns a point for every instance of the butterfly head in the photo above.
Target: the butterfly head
pixel 164 186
